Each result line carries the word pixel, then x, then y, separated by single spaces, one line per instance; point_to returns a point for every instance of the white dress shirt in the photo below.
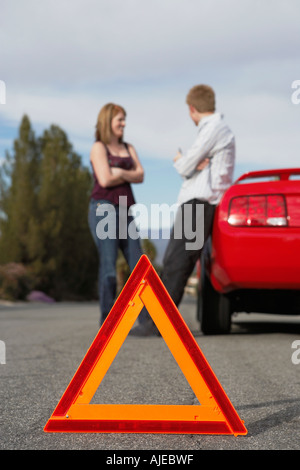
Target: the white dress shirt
pixel 215 141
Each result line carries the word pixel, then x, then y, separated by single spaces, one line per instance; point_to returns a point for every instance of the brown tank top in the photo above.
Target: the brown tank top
pixel 113 193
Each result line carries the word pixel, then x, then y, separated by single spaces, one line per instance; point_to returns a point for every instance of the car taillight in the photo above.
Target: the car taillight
pixel 258 211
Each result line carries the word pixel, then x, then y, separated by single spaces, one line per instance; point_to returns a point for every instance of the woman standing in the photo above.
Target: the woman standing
pixel 115 166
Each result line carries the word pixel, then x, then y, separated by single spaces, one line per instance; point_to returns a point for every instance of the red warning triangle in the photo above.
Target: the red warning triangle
pixel 214 415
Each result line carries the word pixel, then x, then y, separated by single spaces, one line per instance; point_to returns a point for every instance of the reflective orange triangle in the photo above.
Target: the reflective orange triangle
pixel 214 415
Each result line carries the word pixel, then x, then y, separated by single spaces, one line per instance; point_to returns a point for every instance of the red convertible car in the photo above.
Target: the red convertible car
pixel 252 261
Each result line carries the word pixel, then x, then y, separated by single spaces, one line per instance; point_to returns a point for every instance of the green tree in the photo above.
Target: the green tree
pixel 61 243
pixel 18 189
pixel 44 213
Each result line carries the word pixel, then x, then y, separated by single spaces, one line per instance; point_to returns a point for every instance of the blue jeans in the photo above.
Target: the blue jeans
pixel 109 228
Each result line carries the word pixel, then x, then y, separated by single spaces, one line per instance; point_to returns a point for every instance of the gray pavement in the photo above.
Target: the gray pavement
pixel 45 343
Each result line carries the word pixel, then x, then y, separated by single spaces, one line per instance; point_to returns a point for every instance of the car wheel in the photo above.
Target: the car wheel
pixel 214 309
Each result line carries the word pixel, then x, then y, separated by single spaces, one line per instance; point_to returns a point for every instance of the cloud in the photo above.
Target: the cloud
pixel 265 125
pixel 63 61
pixel 96 41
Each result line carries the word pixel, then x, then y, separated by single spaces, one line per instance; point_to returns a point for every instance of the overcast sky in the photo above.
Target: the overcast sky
pixel 62 61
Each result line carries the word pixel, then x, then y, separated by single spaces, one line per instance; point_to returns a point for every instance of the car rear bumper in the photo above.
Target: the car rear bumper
pixel 255 258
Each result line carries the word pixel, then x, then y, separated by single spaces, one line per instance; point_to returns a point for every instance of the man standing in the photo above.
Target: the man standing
pixel 207 171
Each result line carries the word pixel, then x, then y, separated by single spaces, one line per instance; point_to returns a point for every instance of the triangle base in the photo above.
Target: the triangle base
pixel 134 426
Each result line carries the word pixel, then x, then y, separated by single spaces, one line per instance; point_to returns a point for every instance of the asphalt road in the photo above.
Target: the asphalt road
pixel 45 343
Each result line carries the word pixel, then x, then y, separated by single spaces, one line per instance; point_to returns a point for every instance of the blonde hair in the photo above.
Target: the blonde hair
pixel 202 97
pixel 103 126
